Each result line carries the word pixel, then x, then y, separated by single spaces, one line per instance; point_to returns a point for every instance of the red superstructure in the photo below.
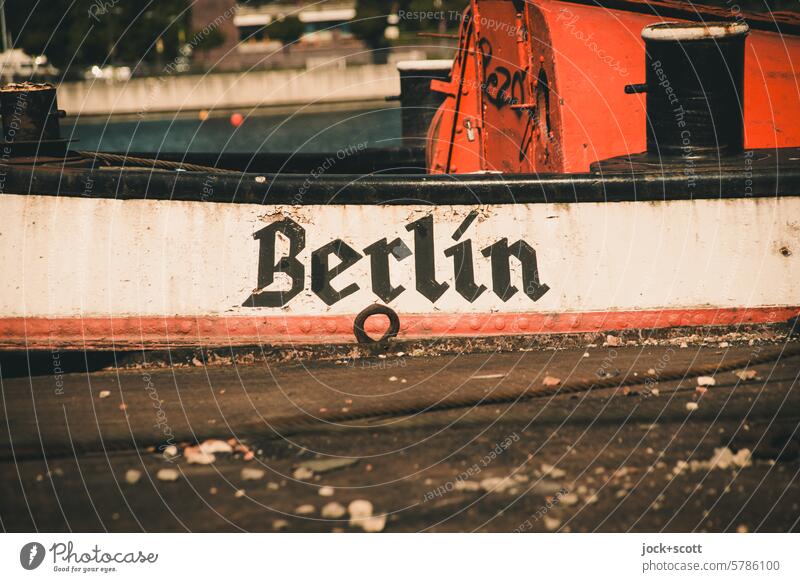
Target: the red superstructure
pixel 540 87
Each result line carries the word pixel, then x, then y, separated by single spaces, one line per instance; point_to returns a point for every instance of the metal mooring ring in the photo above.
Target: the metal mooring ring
pixel 358 325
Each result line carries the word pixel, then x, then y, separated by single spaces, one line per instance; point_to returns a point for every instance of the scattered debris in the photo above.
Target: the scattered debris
pixel 333 510
pixel 252 474
pixel 546 487
pixel 240 493
pixel 194 456
pixel 104 393
pixel 496 484
pixel 373 524
pixel 132 476
pixel 723 458
pixel 320 466
pixel 552 471
pixel 302 473
pixel 280 524
pixel 690 406
pixel 745 375
pixel 706 381
pixel 568 499
pixel 487 376
pixel 213 491
pixel 392 378
pixel 170 451
pixel 552 523
pixel 361 516
pixel 359 509
pixel 742 528
pixel 613 341
pixel 551 381
pixel 305 509
pixel 214 446
pixel 467 486
pixel 651 372
pixel 168 475
pixel 326 491
pixel 655 391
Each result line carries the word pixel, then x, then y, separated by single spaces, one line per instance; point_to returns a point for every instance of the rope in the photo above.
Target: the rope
pixel 118 159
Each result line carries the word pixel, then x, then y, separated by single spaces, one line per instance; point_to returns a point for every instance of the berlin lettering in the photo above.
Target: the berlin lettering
pixel 379 254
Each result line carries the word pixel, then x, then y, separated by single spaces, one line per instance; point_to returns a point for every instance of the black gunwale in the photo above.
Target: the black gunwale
pixel 769 176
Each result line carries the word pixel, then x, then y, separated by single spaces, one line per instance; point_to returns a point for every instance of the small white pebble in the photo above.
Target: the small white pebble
pixel 240 493
pixel 392 378
pixel 213 446
pixel 333 510
pixel 326 491
pixel 568 499
pixel 305 509
pixel 132 476
pixel 373 524
pixel 552 523
pixel 706 381
pixel 552 471
pixel 252 474
pixel 303 473
pixel 167 475
pixel 745 375
pixel 359 509
pixel 194 456
pixel 104 393
pixel 691 406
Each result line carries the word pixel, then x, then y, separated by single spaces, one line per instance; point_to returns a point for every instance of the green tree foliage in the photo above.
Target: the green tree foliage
pixel 80 33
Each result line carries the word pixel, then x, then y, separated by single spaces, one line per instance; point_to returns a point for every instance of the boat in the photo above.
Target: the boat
pixel 586 169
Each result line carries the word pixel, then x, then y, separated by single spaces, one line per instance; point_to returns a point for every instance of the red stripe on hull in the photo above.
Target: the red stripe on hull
pixel 153 332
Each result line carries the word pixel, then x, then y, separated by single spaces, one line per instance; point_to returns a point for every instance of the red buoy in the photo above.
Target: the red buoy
pixel 237 119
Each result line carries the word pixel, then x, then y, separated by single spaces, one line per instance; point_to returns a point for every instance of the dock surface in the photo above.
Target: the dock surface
pixel 633 458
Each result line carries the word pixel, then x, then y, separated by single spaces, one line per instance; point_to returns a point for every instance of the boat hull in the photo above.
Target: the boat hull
pixel 86 273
